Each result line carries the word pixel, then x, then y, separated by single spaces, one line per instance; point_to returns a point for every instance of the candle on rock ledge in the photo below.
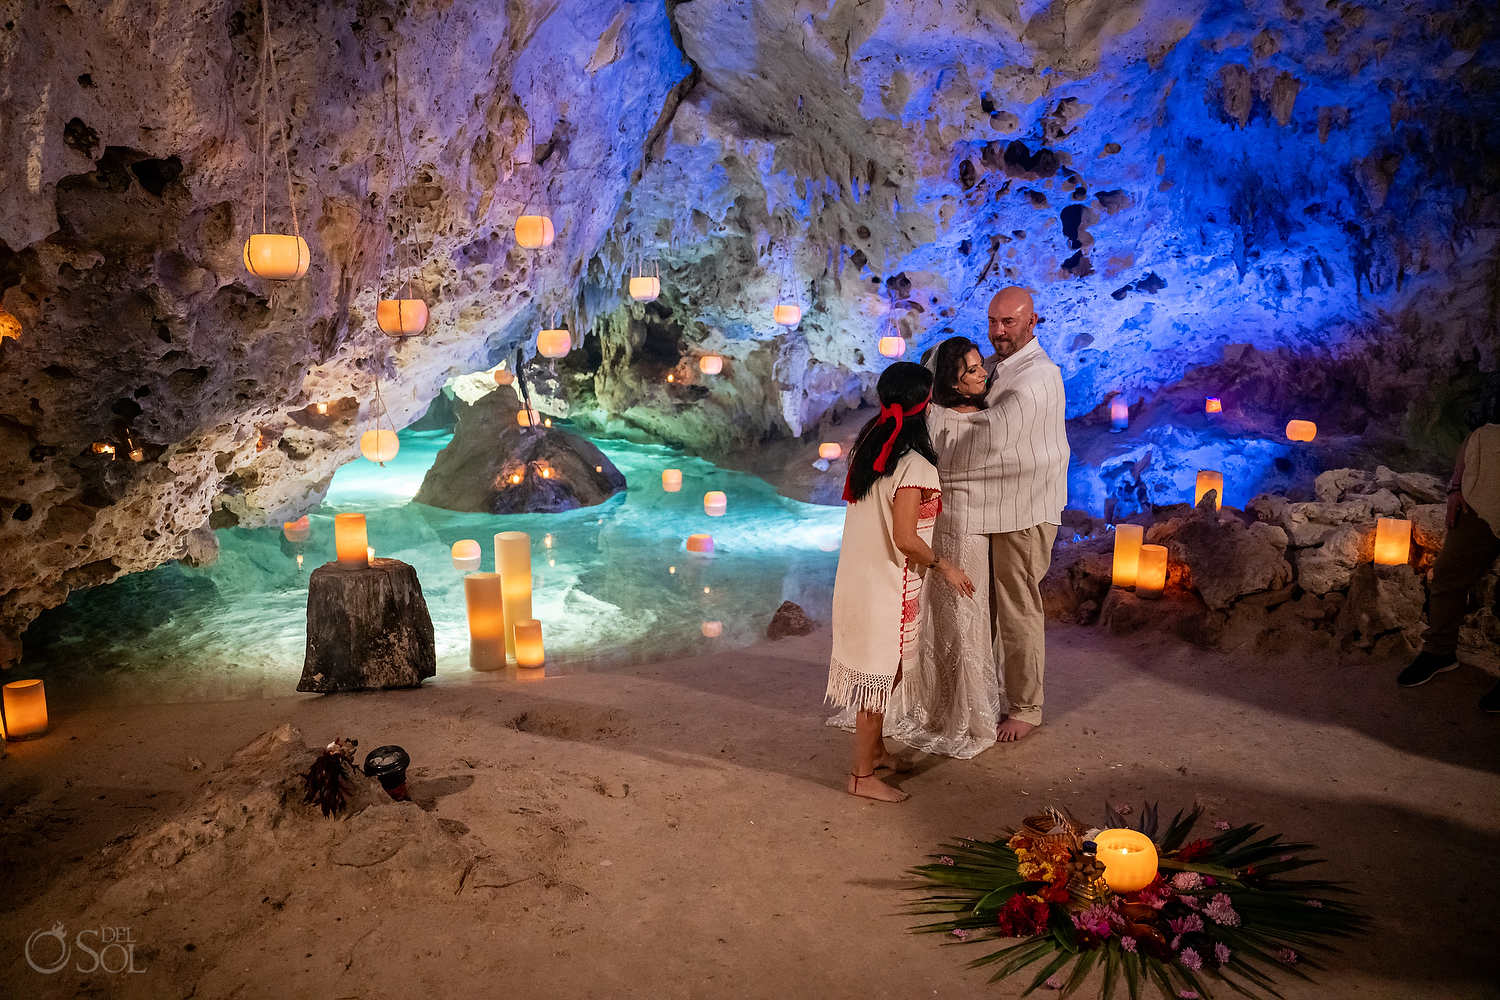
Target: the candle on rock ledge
pixel 25 709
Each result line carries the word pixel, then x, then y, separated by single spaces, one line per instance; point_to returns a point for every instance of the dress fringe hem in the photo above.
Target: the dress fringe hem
pixel 858 690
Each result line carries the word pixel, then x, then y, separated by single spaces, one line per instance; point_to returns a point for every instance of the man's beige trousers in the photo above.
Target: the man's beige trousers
pixel 1018 561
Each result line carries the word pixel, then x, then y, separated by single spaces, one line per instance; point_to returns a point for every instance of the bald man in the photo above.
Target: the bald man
pixel 1021 447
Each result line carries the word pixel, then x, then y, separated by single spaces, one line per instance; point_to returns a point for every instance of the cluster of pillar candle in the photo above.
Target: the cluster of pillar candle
pixel 499 606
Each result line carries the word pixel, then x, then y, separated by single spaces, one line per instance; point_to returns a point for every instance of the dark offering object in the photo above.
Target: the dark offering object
pixel 327 781
pixel 389 764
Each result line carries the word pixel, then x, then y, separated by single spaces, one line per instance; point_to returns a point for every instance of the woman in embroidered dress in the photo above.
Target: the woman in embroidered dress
pixel 894 498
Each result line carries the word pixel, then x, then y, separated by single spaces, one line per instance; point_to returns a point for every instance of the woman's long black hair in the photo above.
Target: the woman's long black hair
pixel 902 384
pixel 947 365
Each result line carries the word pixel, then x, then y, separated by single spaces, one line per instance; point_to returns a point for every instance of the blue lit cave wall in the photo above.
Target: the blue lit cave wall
pixel 1290 205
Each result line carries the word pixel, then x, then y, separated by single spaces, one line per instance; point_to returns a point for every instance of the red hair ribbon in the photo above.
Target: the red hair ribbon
pixel 892 410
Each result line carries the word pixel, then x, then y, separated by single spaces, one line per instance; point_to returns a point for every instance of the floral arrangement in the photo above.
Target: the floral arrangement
pixel 1220 912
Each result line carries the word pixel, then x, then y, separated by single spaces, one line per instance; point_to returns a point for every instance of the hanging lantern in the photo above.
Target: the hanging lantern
pixel 701 544
pixel 1392 541
pixel 297 531
pixel 645 289
pixel 401 317
pixel 711 364
pixel 350 541
pixel 137 454
pixel 1209 480
pixel 528 417
pixel 712 630
pixel 1128 539
pixel 1151 571
pixel 671 480
pixel 1119 414
pixel 1301 430
pixel 485 602
pixel 379 446
pixel 892 347
pixel 276 256
pixel 504 376
pixel 1212 404
pixel 466 555
pixel 786 314
pixel 830 451
pixel 1129 859
pixel 25 709
pixel 529 650
pixel 554 343
pixel 533 232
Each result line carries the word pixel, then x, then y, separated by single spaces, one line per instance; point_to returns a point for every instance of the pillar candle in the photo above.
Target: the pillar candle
pixel 528 637
pixel 671 480
pixel 1392 541
pixel 701 544
pixel 1119 414
pixel 349 540
pixel 1209 480
pixel 1129 859
pixel 1212 404
pixel 712 630
pixel 25 709
pixel 513 561
pixel 466 555
pixel 486 604
pixel 830 451
pixel 1128 539
pixel 1301 430
pixel 715 503
pixel 1151 571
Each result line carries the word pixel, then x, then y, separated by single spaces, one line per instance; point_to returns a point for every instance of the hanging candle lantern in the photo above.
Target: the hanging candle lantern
pixel 530 653
pixel 297 531
pixel 1151 571
pixel 1301 430
pixel 484 600
pixel 401 317
pixel 504 376
pixel 528 417
pixel 1392 541
pixel 379 446
pixel 712 630
pixel 715 503
pixel 787 314
pixel 711 364
pixel 276 256
pixel 645 288
pixel 830 451
pixel 1119 414
pixel 466 555
pixel 25 709
pixel 1128 539
pixel 1209 480
pixel 671 480
pixel 533 232
pixel 1212 404
pixel 1129 859
pixel 554 343
pixel 892 347
pixel 350 541
pixel 137 454
pixel 701 544
pixel 513 560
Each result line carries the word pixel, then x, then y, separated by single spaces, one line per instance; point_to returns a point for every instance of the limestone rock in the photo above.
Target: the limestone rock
pixel 1329 566
pixel 367 628
pixel 1078 580
pixel 1179 612
pixel 1421 487
pixel 1429 526
pixel 1331 486
pixel 1227 560
pixel 1382 600
pixel 789 620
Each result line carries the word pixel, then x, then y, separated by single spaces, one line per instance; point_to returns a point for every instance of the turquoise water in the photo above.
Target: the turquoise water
pixel 611 584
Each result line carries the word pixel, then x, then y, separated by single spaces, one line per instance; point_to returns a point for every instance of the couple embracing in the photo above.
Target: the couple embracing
pixel 955 494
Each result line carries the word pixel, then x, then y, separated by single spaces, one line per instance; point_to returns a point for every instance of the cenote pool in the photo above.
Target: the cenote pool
pixel 612 584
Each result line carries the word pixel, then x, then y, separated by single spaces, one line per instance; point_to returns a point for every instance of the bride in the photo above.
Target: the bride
pixel 951 703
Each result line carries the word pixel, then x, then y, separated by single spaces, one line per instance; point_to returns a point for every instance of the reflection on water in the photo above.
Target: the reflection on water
pixel 611 583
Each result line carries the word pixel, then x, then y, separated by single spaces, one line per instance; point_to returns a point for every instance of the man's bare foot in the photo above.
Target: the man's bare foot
pixel 1012 730
pixel 890 762
pixel 867 786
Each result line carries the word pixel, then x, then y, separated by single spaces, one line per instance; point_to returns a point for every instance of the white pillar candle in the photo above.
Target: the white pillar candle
pixel 25 709
pixel 671 480
pixel 349 539
pixel 513 560
pixel 715 503
pixel 485 600
pixel 529 650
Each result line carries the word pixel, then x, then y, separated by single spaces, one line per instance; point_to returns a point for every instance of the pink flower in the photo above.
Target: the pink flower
pixel 1221 953
pixel 1186 925
pixel 1220 910
pixel 1187 994
pixel 945 860
pixel 1315 903
pixel 1286 956
pixel 1096 920
pixel 1220 824
pixel 1190 959
pixel 1053 983
pixel 1185 881
pixel 1128 944
pixel 960 933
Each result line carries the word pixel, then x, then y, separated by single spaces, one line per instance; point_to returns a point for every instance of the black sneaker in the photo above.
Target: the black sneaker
pixel 1425 667
pixel 1491 702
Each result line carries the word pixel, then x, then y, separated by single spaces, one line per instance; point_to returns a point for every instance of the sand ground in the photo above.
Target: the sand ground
pixel 679 829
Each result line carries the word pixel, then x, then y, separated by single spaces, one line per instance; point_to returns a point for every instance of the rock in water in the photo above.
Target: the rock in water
pixel 495 466
pixel 367 627
pixel 788 620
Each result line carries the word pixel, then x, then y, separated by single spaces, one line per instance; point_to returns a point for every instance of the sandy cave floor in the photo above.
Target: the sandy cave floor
pixel 678 829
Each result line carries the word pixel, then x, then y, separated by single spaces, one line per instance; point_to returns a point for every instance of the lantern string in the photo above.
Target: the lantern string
pixel 265 10
pixel 404 217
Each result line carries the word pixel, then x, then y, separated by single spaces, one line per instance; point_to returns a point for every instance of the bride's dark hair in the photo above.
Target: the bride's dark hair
pixel 902 384
pixel 947 365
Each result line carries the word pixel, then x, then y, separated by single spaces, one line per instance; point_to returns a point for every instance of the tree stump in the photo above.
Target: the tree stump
pixel 367 628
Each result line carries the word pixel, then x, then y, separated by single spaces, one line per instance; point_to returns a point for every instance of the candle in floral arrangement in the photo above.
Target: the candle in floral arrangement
pixel 1129 859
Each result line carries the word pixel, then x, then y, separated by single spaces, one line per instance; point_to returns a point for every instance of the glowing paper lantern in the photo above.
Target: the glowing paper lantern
pixel 1212 404
pixel 276 256
pixel 513 560
pixel 535 231
pixel 379 446
pixel 103 448
pixel 322 409
pixel 1301 430
pixel 401 317
pixel 787 314
pixel 711 364
pixel 25 709
pixel 485 600
pixel 1128 539
pixel 554 343
pixel 1119 414
pixel 701 544
pixel 137 454
pixel 504 377
pixel 671 480
pixel 529 650
pixel 645 289
pixel 715 503
pixel 466 555
pixel 1129 859
pixel 297 531
pixel 1392 541
pixel 1151 571
pixel 712 630
pixel 1209 480
pixel 830 451
pixel 528 417
pixel 350 541
pixel 892 347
